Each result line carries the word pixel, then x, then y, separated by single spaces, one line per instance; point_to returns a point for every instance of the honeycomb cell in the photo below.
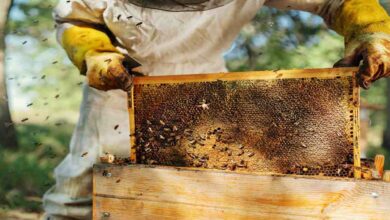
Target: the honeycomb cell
pixel 299 126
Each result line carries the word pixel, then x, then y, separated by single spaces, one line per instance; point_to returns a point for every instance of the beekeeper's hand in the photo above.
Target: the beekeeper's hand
pixel 365 26
pixel 106 70
pixel 371 52
pixel 92 52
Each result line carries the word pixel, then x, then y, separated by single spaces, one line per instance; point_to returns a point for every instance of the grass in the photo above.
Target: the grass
pixel 26 173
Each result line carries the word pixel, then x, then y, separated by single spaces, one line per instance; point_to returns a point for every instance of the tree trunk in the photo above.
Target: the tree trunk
pixel 7 130
pixel 386 134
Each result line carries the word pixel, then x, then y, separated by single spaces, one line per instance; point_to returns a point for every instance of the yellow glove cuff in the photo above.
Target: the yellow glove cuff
pixel 356 17
pixel 77 41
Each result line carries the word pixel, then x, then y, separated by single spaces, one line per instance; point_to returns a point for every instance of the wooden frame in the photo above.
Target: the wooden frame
pixel 148 192
pixel 279 74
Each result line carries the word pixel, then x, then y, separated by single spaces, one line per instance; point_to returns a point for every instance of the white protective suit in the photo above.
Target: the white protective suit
pixel 165 43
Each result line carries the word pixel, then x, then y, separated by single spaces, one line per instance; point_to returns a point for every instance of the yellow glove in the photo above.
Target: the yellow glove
pixel 92 52
pixel 105 71
pixel 366 28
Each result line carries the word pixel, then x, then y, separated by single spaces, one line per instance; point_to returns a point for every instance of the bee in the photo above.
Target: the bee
pixel 232 166
pixel 242 164
pixel 203 105
pixel 106 173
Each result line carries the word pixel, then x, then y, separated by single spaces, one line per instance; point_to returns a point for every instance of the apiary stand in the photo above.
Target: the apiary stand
pixel 157 192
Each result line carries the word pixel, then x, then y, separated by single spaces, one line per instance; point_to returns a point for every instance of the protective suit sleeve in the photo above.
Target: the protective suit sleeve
pixel 365 26
pixel 346 17
pixel 80 29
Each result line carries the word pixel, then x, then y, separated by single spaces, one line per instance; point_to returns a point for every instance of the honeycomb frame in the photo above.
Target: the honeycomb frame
pixel 338 85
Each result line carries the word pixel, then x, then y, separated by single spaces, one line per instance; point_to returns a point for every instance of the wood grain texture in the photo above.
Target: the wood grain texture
pixel 252 75
pixel 142 192
pixel 132 124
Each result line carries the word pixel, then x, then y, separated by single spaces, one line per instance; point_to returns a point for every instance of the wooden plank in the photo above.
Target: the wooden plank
pixel 132 125
pixel 252 75
pixel 142 192
pixel 356 130
pixel 290 121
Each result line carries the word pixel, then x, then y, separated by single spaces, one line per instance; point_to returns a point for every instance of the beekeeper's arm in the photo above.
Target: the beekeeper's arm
pixel 81 32
pixel 365 26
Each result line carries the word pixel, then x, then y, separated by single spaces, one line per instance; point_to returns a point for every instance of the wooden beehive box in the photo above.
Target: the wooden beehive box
pixel 156 192
pixel 286 122
pixel 305 122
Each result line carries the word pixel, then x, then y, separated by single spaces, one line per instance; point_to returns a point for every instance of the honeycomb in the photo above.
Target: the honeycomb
pixel 301 126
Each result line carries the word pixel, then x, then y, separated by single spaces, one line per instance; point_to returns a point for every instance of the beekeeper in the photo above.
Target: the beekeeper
pixel 173 37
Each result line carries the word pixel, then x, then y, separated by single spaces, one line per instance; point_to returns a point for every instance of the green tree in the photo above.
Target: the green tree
pixel 7 130
pixel 283 40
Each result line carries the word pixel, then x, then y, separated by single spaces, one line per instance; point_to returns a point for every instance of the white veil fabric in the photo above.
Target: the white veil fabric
pixel 181 5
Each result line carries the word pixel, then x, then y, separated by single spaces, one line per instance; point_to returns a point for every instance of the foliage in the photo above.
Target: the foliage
pixel 45 71
pixel 38 71
pixel 26 174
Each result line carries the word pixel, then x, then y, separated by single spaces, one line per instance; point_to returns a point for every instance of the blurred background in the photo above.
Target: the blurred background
pixel 40 90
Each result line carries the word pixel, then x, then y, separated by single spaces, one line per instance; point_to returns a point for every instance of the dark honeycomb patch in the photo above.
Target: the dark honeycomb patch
pixel 290 126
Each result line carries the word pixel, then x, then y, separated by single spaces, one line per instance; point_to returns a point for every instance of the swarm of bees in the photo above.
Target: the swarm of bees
pixel 163 143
